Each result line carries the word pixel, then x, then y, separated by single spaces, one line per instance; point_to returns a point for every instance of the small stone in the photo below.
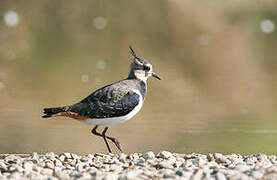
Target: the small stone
pixel 210 157
pixel 47 172
pixel 166 176
pixel 242 167
pixel 239 176
pixel 206 169
pixel 164 154
pixel 52 178
pixel 67 155
pixel 80 167
pixel 151 162
pixel 141 160
pixel 197 175
pixel 220 176
pixel 273 159
pixel 49 164
pixel 177 164
pixel 260 157
pixel 115 168
pixel 15 175
pixel 179 173
pixel 3 166
pixel 62 157
pixel 100 154
pixel 133 156
pixel 85 176
pixel 12 159
pixel 220 158
pixel 187 164
pixel 110 176
pixel 35 157
pixel 37 168
pixel 57 169
pixel 198 161
pixel 19 168
pixel 12 169
pixel 271 176
pixel 75 156
pixel 73 162
pixel 90 156
pixel 61 175
pixel 50 154
pixel 91 170
pixel 187 174
pixel 164 164
pixel 149 155
pixel 42 163
pixel 272 169
pixel 131 174
pixel 257 174
pixel 28 166
pixel 85 159
pixel 57 162
pixel 122 157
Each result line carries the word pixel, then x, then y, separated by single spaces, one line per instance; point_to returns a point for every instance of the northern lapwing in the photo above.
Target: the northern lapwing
pixel 111 104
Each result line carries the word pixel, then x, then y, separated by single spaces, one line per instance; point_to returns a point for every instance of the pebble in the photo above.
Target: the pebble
pixel 220 176
pixel 67 155
pixel 164 154
pixel 187 175
pixel 179 173
pixel 49 164
pixel 220 158
pixel 61 175
pixel 122 157
pixel 47 172
pixel 164 165
pixel 257 174
pixel 111 176
pixel 198 161
pixel 271 176
pixel 57 162
pixel 3 166
pixel 28 166
pixel 149 155
pixel 242 167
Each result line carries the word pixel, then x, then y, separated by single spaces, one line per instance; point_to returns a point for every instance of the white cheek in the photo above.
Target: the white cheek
pixel 141 76
pixel 149 73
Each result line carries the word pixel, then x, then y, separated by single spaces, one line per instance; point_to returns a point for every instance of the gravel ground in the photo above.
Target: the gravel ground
pixel 164 165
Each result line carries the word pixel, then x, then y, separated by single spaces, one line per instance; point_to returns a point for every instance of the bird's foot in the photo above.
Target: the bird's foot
pixel 117 144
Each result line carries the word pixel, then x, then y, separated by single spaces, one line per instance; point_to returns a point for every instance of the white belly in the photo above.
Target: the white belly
pixel 108 122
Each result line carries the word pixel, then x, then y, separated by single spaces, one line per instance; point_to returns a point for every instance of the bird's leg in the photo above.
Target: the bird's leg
pixel 114 140
pixel 93 131
pixel 104 137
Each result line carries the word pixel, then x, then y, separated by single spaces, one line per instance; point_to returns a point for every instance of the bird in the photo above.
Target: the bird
pixel 111 104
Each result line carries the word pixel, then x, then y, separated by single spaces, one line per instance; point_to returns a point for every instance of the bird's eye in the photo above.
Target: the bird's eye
pixel 146 68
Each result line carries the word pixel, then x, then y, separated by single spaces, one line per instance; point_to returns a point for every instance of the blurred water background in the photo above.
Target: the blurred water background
pixel 217 60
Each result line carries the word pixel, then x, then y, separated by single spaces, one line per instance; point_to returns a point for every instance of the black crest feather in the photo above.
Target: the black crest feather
pixel 133 52
pixel 139 60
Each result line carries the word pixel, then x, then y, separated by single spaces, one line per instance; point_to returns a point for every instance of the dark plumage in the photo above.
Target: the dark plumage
pixel 114 100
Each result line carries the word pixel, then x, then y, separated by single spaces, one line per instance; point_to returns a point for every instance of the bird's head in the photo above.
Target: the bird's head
pixel 140 68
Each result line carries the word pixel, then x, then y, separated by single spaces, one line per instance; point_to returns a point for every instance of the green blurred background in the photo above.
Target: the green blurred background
pixel 217 60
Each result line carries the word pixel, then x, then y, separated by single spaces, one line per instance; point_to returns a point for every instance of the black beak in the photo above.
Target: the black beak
pixel 156 75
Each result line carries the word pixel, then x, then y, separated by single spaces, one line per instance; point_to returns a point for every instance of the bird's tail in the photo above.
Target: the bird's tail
pixel 49 112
